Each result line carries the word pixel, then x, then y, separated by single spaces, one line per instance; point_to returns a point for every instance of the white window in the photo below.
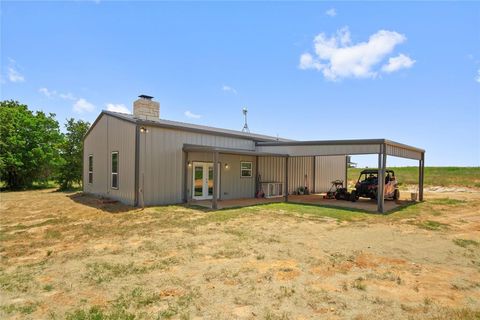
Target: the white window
pixel 245 169
pixel 115 170
pixel 90 168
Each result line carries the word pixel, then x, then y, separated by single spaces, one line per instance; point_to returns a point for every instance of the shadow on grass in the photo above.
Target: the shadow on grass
pixel 236 207
pixel 400 206
pixel 398 209
pixel 99 203
pixel 403 206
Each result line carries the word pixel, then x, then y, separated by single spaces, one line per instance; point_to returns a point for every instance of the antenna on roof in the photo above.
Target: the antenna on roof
pixel 245 126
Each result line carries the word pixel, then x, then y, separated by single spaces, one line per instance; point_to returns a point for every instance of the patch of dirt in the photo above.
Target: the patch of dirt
pixel 64 252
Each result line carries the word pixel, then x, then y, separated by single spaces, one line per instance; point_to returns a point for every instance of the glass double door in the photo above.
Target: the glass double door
pixel 202 180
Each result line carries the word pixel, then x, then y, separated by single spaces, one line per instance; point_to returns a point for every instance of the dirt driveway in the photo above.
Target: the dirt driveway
pixel 68 256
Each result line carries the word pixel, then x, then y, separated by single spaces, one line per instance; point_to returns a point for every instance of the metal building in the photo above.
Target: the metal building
pixel 141 159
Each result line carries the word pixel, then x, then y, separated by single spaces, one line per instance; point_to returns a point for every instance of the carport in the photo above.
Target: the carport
pixel 381 147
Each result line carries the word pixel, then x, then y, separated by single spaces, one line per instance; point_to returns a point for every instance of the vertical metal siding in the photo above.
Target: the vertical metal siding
pixel 327 169
pixel 298 167
pixel 403 153
pixel 320 150
pixel 161 157
pixel 121 138
pixel 271 169
pixel 111 134
pixel 95 144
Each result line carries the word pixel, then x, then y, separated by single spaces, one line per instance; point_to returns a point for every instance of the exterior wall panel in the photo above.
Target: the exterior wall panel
pixel 162 158
pixel 111 134
pixel 320 150
pixel 271 169
pixel 94 144
pixel 327 169
pixel 300 173
pixel 403 153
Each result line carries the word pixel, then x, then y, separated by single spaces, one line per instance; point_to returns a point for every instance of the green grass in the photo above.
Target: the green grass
pixel 138 299
pixel 308 211
pixel 313 211
pixel 447 202
pixel 16 281
pixel 359 284
pixel 16 308
pixel 99 272
pixel 48 287
pixel 95 313
pixel 432 225
pixel 466 242
pixel 52 234
pixel 434 176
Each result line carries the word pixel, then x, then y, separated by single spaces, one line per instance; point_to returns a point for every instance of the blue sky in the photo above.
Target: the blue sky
pixel 408 72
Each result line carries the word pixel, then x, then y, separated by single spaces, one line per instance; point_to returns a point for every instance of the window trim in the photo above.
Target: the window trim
pixel 90 172
pixel 111 170
pixel 250 170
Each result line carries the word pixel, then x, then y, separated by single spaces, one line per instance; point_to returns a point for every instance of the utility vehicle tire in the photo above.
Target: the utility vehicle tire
pixel 396 194
pixel 353 196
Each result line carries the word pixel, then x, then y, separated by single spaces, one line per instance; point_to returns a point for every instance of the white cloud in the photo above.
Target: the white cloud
pixel 307 62
pixel 47 93
pixel 337 57
pixel 192 115
pixel 13 74
pixel 331 12
pixel 67 96
pixel 117 108
pixel 54 94
pixel 229 89
pixel 477 78
pixel 82 105
pixel 399 62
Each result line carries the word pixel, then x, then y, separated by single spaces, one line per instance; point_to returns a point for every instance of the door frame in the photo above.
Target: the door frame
pixel 204 164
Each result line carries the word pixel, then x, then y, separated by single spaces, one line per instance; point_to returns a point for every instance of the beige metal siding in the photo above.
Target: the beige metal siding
pixel 327 169
pixel 162 160
pixel 319 150
pixel 300 173
pixel 271 169
pixel 232 186
pixel 95 144
pixel 403 153
pixel 111 134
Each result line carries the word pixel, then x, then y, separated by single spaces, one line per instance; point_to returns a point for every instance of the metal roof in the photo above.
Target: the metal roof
pixel 273 145
pixel 191 127
pixel 340 142
pixel 375 171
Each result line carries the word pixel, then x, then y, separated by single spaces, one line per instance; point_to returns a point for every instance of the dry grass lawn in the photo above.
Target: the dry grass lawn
pixel 68 256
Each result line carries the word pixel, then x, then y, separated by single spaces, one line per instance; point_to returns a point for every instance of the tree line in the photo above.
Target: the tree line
pixel 33 150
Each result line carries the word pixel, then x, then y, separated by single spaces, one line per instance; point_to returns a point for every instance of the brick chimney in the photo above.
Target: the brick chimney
pixel 145 108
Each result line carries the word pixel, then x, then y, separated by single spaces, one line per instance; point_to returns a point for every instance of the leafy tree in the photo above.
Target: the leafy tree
pixel 71 151
pixel 28 145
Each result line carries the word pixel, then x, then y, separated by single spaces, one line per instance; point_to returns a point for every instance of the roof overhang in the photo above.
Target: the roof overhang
pixel 341 147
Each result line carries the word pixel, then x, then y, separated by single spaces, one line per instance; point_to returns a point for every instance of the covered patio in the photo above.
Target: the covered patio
pixel 291 149
pixel 312 199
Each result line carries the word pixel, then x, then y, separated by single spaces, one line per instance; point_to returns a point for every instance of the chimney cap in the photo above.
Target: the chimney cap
pixel 143 96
